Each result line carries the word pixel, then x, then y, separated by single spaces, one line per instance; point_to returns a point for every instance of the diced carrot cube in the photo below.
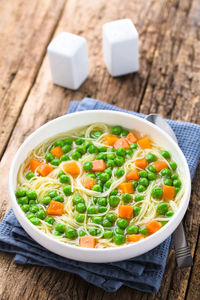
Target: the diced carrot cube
pixel 125 211
pixel 159 165
pixel 126 187
pixel 98 165
pixel 131 138
pixel 88 183
pixel 133 175
pixel 57 151
pixel 145 143
pixel 110 139
pixel 121 143
pixel 34 164
pixel 72 168
pixel 141 163
pixel 55 208
pixel 168 192
pixel 135 237
pixel 44 169
pixel 87 241
pixel 153 226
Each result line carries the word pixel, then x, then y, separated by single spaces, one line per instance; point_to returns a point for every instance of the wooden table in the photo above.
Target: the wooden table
pixel 168 83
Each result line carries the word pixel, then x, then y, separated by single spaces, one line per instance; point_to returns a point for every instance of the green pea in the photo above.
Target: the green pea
pixel 61 173
pixel 124 133
pixel 122 223
pixel 150 157
pixel 92 231
pixel 76 155
pixel 81 207
pixel 108 184
pixel 67 190
pixel 177 183
pixel 108 234
pixel 138 198
pixel 59 143
pixel 132 229
pixel 110 163
pixel 30 215
pixel 151 169
pixel 41 214
pixel 119 239
pixel 177 190
pixel 32 202
pixel 22 200
pixel 59 199
pixel 31 195
pixel 20 193
pixel 55 162
pixel 50 220
pixel 173 165
pixel 126 197
pixel 136 210
pixel 66 148
pixel 129 152
pixel 174 176
pixel 114 201
pixel 119 160
pixel 133 146
pixel 162 208
pixel 143 230
pixel 102 201
pixel 30 175
pixel 111 155
pixel 97 220
pixel 134 184
pixel 157 192
pixel 116 130
pixel 165 154
pixel 119 230
pixel 57 233
pixel 60 227
pixel 87 166
pixel 143 174
pixel 78 199
pixel 167 181
pixel 151 176
pixel 163 223
pixel 96 134
pixel 81 232
pixel 121 151
pixel 34 208
pixel 25 207
pixel 80 218
pixel 110 217
pixel 98 174
pixel 144 181
pixel 102 209
pixel 101 156
pixel 71 233
pixel 111 150
pixel 35 221
pixel 104 177
pixel 64 157
pixel 106 223
pixel 141 188
pixel 91 210
pixel 113 192
pixel 49 156
pixel 91 175
pixel 166 172
pixel 46 200
pixel 81 149
pixel 169 213
pixel 102 149
pixel 97 188
pixel 79 141
pixel 119 173
pixel 52 194
pixel 93 149
pixel 64 179
pixel 68 141
pixel 87 144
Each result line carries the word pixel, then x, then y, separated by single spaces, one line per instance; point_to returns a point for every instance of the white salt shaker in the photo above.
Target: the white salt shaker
pixel 68 56
pixel 120 47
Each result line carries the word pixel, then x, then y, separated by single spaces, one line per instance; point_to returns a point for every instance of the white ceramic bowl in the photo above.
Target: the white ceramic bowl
pixel 69 122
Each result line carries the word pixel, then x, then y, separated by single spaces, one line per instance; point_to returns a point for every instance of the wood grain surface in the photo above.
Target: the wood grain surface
pixel 168 83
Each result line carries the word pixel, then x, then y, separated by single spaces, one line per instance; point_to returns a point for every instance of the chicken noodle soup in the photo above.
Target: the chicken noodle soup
pixel 99 186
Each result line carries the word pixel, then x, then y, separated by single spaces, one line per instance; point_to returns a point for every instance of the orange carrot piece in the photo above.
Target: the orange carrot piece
pixel 126 187
pixel 121 143
pixel 87 241
pixel 125 211
pixel 98 165
pixel 72 168
pixel 153 226
pixel 57 151
pixel 168 192
pixel 131 138
pixel 145 143
pixel 55 208
pixel 135 237
pixel 141 163
pixel 34 164
pixel 110 139
pixel 159 165
pixel 88 183
pixel 133 175
pixel 44 169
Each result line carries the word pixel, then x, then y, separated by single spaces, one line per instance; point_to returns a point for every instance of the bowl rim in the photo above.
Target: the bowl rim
pixel 164 232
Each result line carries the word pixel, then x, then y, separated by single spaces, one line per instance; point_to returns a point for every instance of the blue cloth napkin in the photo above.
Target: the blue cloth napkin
pixel 144 272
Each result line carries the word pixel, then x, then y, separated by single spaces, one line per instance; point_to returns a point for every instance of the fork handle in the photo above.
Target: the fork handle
pixel 182 251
